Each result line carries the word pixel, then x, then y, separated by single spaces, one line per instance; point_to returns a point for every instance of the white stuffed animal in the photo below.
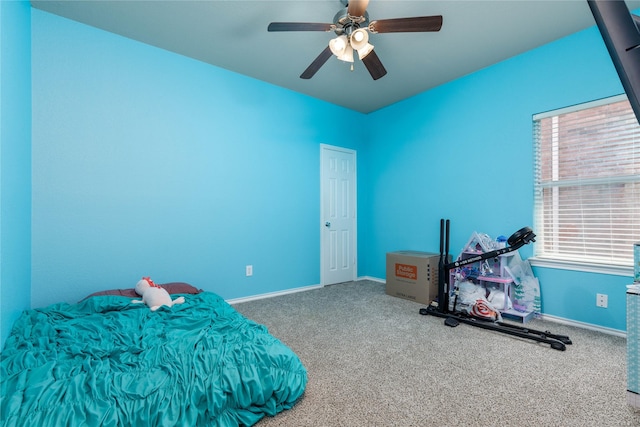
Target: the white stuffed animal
pixel 153 295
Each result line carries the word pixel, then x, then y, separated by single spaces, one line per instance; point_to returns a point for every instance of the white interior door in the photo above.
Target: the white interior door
pixel 337 214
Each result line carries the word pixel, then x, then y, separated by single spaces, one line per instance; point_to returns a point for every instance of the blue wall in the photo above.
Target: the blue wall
pixel 150 163
pixel 15 161
pixel 464 151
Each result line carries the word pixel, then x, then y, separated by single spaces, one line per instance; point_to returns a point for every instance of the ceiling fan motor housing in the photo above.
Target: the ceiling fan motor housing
pixel 346 24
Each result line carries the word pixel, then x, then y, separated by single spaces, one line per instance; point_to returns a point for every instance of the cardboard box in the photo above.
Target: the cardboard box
pixel 413 275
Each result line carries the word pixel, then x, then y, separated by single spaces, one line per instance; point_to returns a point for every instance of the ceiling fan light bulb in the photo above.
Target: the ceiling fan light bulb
pixel 339 45
pixel 359 38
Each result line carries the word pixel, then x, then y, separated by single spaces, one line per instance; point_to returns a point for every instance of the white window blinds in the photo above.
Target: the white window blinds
pixel 587 183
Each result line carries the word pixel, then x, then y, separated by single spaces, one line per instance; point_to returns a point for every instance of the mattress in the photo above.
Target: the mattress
pixel 108 362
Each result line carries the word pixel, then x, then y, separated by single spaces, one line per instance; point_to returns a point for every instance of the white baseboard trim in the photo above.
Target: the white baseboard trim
pixel 272 294
pixel 584 325
pixel 289 291
pixel 373 279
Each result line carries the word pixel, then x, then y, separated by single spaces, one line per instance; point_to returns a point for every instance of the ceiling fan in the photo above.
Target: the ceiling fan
pixel 352 27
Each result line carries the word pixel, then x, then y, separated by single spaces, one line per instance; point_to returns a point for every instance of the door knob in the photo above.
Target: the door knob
pixel 327 224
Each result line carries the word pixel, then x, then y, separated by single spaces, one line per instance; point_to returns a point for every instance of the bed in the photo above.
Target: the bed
pixel 105 362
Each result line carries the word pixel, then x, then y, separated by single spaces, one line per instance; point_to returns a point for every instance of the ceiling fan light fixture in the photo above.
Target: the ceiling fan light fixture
pixel 338 45
pixel 360 42
pixel 359 38
pixel 347 55
pixel 364 51
pixel 341 48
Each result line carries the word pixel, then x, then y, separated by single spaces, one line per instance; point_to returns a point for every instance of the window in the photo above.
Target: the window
pixel 587 183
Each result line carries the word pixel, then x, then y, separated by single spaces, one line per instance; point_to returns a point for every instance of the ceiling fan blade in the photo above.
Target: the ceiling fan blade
pixel 407 25
pixel 299 26
pixel 357 7
pixel 374 65
pixel 317 63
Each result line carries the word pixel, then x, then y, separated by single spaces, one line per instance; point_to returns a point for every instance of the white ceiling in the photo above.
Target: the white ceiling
pixel 233 35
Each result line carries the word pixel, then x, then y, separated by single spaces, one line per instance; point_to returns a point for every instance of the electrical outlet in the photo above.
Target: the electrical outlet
pixel 602 300
pixel 249 270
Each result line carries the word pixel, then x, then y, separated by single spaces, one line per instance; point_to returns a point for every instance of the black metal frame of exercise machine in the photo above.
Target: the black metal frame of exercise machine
pixel 453 318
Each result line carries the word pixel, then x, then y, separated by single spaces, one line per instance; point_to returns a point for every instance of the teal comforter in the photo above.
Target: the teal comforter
pixel 108 362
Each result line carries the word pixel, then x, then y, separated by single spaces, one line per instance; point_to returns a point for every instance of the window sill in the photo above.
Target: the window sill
pixel 614 270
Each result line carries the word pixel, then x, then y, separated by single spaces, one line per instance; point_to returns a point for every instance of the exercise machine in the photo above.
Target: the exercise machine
pixel 453 318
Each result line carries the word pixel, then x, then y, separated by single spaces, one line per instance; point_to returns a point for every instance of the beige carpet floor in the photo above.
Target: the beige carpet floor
pixel 373 360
